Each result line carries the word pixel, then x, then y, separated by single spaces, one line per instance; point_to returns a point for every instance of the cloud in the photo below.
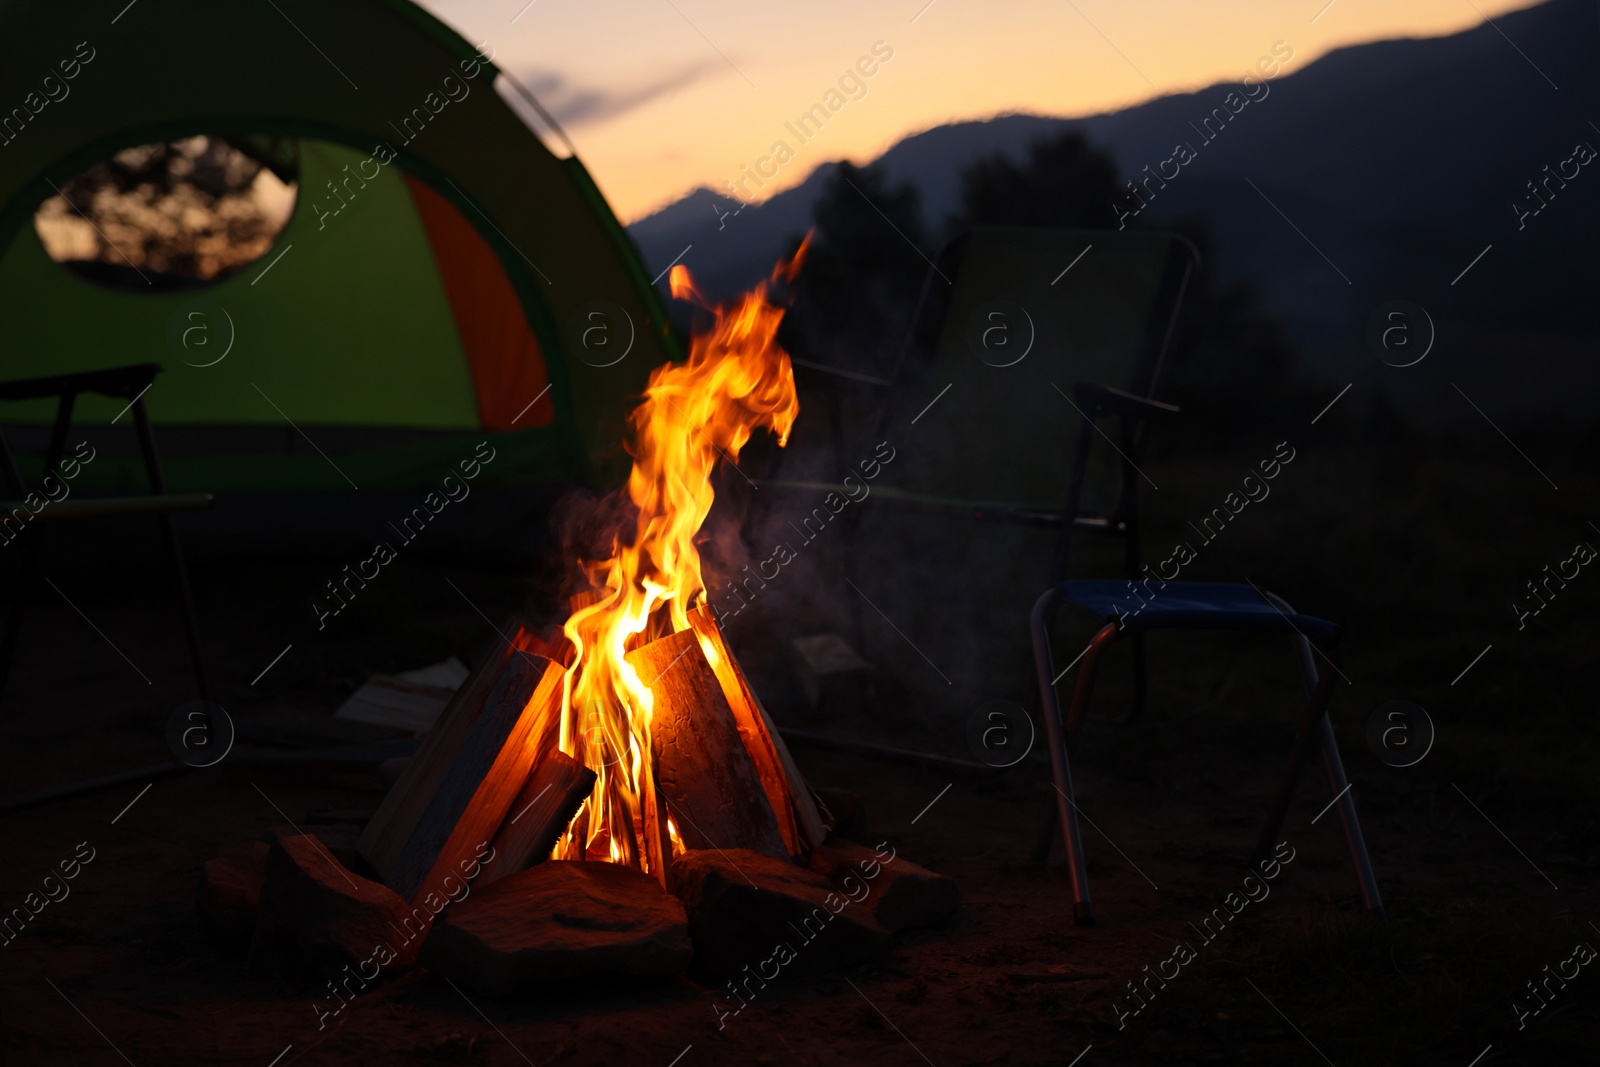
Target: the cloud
pixel 576 105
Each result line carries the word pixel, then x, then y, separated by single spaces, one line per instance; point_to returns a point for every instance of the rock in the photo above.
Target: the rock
pixel 900 894
pixel 317 915
pixel 229 893
pixel 559 920
pixel 747 909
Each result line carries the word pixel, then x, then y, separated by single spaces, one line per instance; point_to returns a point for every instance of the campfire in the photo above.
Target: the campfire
pixel 608 796
pixel 632 735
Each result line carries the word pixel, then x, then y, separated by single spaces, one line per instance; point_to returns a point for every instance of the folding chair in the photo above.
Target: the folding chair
pixel 1160 604
pixel 17 516
pixel 1080 306
pixel 1072 304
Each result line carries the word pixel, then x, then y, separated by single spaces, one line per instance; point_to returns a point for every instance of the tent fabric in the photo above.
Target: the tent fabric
pixel 507 368
pixel 350 327
pixel 398 318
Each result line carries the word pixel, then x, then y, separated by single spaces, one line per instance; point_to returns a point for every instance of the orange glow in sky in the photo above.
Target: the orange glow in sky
pixel 661 96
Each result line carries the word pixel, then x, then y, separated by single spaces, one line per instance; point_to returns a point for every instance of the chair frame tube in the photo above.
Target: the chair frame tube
pixel 1066 806
pixel 1315 727
pixel 119 381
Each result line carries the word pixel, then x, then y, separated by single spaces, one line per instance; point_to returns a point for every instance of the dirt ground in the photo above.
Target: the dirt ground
pixel 1489 877
pixel 1012 982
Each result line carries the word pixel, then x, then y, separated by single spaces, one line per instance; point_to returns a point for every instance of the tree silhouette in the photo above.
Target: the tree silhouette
pixel 1227 356
pixel 855 295
pixel 1063 181
pixel 858 287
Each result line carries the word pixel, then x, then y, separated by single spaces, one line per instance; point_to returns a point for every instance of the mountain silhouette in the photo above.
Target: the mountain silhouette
pixel 1377 172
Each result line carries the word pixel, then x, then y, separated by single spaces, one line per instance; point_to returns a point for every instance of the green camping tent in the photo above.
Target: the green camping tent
pixel 443 278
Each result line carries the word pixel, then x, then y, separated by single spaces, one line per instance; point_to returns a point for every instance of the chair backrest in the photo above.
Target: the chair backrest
pixel 1011 319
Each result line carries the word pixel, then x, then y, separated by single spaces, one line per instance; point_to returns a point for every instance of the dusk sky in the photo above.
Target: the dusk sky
pixel 660 96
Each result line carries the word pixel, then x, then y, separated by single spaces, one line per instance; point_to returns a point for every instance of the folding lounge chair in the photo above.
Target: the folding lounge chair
pixel 1161 604
pixel 17 518
pixel 1065 304
pixel 1078 305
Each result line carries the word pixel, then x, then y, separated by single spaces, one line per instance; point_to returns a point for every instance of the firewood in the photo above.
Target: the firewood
pixel 578 601
pixel 657 845
pixel 386 834
pixel 315 915
pixel 799 817
pixel 517 723
pixel 229 894
pixel 743 905
pixel 710 785
pixel 559 922
pixel 551 644
pixel 554 791
pixel 901 895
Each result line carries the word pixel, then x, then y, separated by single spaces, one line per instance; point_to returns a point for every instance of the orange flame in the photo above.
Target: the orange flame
pixel 737 380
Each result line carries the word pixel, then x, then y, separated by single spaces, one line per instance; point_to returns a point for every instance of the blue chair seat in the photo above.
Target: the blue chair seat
pixel 1192 605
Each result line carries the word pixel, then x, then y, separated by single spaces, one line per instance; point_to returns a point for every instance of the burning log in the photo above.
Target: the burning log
pixel 712 790
pixel 650 700
pixel 799 817
pixel 554 791
pixel 485 776
pixel 391 826
pixel 736 381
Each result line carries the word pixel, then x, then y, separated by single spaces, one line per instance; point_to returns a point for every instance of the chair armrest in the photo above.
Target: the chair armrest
pixel 1100 401
pixel 123 382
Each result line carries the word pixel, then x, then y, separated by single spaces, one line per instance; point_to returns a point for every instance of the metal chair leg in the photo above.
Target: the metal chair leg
pixel 1333 767
pixel 191 624
pixel 1346 803
pixel 1086 678
pixel 21 591
pixel 1316 709
pixel 1066 804
pixel 1081 691
pixel 169 532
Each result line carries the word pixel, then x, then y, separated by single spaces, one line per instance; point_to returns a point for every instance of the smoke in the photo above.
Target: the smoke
pixel 585 526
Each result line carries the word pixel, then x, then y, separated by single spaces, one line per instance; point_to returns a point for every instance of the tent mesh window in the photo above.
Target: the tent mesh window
pixel 172 215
